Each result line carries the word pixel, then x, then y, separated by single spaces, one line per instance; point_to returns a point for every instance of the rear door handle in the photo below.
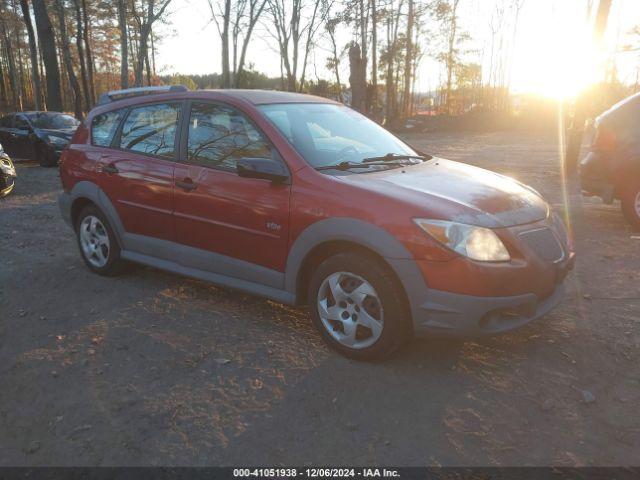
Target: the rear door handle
pixel 110 169
pixel 186 184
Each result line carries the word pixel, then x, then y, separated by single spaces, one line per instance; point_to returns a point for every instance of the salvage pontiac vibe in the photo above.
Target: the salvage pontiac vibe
pixel 304 201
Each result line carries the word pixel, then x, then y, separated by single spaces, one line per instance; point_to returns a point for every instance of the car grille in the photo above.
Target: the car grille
pixel 544 242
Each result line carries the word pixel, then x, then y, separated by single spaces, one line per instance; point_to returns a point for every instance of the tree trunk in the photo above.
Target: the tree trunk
pixel 226 75
pixel 3 88
pixel 374 55
pixel 358 85
pixel 49 55
pixel 87 43
pixel 68 62
pixel 124 50
pixel 81 56
pixel 142 54
pixel 408 62
pixel 253 19
pixel 21 76
pixel 363 54
pixel 33 55
pixel 13 75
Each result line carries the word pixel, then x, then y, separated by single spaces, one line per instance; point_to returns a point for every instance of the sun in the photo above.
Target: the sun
pixel 560 61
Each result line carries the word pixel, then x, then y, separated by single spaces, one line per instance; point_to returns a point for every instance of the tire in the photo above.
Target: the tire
pixel 351 292
pixel 97 243
pixel 45 159
pixel 630 198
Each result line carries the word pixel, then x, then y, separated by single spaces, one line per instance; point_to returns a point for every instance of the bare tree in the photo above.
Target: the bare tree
pixel 33 55
pixel 333 62
pixel 124 50
pixel 256 7
pixel 86 31
pixel 66 56
pixel 49 55
pixel 82 61
pixel 7 43
pixel 153 13
pixel 295 22
pixel 408 61
pixel 221 15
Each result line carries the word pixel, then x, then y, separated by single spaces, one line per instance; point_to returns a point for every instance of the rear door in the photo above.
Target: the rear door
pixel 243 220
pixel 136 172
pixel 23 137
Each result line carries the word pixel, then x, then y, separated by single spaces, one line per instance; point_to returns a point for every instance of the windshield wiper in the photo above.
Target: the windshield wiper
pixel 348 165
pixel 390 157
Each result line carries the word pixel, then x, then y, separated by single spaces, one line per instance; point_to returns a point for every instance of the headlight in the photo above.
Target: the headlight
pixel 477 243
pixel 53 140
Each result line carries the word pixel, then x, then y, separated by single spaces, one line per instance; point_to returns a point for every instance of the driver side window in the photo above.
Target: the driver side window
pixel 21 123
pixel 219 136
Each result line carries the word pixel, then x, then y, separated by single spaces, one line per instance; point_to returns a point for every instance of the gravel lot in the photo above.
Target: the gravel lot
pixel 155 369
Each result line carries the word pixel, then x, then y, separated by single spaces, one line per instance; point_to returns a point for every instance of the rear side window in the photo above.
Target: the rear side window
pixel 151 129
pixel 220 135
pixel 104 126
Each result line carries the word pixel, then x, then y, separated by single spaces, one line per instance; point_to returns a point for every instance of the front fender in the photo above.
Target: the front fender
pixel 362 233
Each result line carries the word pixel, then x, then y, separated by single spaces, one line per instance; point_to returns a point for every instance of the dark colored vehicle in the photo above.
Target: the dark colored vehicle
pixel 7 174
pixel 304 201
pixel 611 169
pixel 39 135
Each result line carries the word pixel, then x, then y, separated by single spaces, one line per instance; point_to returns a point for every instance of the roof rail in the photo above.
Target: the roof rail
pixel 114 95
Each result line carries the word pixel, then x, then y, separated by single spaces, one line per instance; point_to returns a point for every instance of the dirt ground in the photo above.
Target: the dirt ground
pixel 155 369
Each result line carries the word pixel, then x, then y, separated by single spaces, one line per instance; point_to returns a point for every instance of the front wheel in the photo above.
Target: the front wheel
pixel 358 306
pixel 631 204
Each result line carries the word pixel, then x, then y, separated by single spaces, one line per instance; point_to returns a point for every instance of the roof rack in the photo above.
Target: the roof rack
pixel 114 95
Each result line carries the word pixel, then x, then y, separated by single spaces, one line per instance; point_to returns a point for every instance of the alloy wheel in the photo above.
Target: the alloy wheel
pixel 94 241
pixel 350 310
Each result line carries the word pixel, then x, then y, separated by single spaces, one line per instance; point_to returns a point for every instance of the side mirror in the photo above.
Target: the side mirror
pixel 265 168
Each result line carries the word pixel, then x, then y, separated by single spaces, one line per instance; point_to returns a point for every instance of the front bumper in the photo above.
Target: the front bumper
pixel 594 178
pixel 457 315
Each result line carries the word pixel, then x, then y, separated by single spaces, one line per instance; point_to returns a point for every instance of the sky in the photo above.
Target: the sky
pixel 551 49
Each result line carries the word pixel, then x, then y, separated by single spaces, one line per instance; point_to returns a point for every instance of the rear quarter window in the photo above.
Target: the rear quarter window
pixel 104 126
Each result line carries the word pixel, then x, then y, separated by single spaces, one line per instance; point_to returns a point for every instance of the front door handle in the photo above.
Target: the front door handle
pixel 187 184
pixel 110 169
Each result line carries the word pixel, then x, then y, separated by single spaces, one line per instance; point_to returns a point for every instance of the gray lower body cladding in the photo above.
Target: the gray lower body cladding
pixel 434 312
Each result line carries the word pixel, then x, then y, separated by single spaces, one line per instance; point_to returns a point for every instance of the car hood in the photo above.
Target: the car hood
pixel 459 192
pixel 64 133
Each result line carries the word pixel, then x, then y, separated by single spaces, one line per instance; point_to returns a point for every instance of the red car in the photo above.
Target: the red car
pixel 304 201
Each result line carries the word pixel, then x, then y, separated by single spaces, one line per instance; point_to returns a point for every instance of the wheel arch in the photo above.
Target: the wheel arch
pixel 85 193
pixel 330 236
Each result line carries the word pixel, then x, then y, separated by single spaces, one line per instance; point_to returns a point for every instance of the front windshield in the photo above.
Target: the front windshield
pixel 326 134
pixel 53 121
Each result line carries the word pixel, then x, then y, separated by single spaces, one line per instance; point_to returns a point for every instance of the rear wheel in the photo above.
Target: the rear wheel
pixel 98 244
pixel 630 198
pixel 358 306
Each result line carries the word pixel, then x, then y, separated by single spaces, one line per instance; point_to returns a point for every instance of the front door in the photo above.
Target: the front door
pixel 137 173
pixel 244 222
